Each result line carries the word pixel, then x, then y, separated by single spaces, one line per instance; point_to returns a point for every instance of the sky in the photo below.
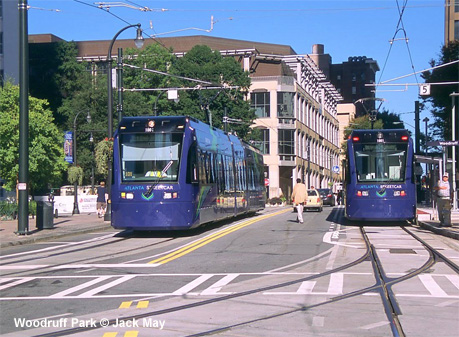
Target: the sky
pixel 345 28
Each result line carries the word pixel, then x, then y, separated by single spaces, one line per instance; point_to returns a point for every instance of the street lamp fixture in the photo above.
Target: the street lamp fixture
pixel 138 43
pixel 139 40
pixel 75 184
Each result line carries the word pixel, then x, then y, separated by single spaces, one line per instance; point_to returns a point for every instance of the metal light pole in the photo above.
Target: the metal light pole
pixel 75 183
pixel 139 43
pixel 23 176
pixel 426 120
pixel 453 131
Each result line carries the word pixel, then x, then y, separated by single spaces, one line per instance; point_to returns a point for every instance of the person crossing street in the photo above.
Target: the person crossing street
pixel 299 197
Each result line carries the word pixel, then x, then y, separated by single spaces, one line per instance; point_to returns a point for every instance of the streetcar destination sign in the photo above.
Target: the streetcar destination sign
pixel 444 143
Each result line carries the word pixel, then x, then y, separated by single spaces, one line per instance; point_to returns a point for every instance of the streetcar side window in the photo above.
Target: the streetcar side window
pixel 192 169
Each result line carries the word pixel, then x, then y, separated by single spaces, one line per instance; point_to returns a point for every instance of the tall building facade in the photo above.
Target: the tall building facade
pixel 295 104
pixel 451 20
pixel 9 41
pixel 350 77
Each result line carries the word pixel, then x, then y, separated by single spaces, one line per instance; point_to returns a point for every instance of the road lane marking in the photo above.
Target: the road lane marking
pixel 15 283
pixel 215 288
pixel 110 334
pixel 120 280
pixel 454 279
pixel 125 305
pixel 131 334
pixel 105 265
pixel 335 286
pixel 80 287
pixel 24 266
pixel 300 262
pixel 143 304
pixel 431 285
pixel 306 287
pixel 184 250
pixel 193 284
pixel 33 252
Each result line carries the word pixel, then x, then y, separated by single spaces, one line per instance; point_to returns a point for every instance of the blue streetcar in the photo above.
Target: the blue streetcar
pixel 379 176
pixel 173 173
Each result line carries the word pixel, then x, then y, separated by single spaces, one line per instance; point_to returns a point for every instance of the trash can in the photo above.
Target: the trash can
pixel 447 215
pixel 45 215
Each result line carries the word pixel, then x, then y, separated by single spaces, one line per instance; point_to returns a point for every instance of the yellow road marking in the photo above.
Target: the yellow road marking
pixel 110 334
pixel 208 239
pixel 125 305
pixel 131 334
pixel 142 304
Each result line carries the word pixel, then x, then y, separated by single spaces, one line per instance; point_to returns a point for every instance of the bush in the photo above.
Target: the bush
pixel 275 201
pixel 9 210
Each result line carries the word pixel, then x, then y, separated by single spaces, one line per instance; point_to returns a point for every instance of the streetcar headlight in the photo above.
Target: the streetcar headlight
pixel 169 195
pixel 363 193
pixel 128 195
pixel 399 194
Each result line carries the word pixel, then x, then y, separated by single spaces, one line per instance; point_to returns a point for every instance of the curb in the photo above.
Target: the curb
pixel 439 230
pixel 28 238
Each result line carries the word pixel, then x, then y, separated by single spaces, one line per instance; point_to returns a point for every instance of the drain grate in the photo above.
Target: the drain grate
pixel 401 251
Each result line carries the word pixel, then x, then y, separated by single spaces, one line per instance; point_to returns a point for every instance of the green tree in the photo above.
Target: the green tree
pixel 46 153
pixel 439 99
pixel 207 65
pixel 56 74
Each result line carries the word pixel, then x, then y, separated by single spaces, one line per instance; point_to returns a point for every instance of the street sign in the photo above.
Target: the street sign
pixel 424 89
pixel 444 143
pixel 266 182
pixel 335 169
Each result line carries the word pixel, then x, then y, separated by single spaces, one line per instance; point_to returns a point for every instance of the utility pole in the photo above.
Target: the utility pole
pixel 417 131
pixel 23 176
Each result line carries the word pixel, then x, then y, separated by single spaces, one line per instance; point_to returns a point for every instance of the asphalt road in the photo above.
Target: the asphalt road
pixel 265 275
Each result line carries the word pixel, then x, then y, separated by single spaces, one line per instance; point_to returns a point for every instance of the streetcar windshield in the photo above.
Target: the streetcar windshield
pixel 380 162
pixel 150 156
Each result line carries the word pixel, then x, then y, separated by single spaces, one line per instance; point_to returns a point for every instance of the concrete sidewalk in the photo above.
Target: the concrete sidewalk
pixel 63 226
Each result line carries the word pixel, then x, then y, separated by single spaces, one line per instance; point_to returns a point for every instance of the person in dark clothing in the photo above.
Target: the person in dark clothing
pixel 101 199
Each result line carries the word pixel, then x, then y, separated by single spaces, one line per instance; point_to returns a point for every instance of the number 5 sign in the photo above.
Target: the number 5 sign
pixel 424 89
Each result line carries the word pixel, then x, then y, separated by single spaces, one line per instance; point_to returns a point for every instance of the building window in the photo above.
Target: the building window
pixel 456 30
pixel 264 148
pixel 286 142
pixel 285 104
pixel 260 101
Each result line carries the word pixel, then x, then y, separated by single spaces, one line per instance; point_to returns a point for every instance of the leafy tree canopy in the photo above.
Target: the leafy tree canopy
pixel 46 153
pixel 56 74
pixel 439 99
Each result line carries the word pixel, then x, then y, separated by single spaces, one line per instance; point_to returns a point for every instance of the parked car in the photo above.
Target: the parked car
pixel 314 201
pixel 327 196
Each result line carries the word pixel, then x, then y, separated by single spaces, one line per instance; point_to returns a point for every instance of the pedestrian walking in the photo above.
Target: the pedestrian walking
pixel 443 200
pixel 101 199
pixel 299 197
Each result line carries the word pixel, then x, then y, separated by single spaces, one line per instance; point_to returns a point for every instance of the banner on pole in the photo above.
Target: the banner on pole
pixel 68 147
